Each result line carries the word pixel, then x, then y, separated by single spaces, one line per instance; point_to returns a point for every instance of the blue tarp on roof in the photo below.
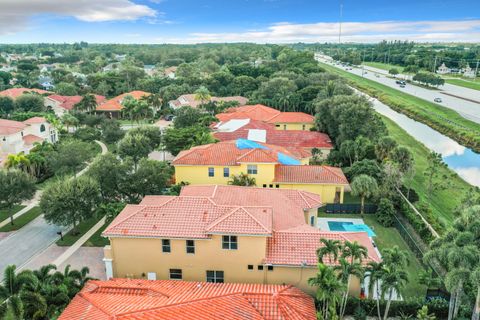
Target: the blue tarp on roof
pixel 289 161
pixel 248 144
pixel 359 228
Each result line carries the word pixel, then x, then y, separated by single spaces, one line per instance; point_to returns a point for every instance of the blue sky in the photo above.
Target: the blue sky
pixel 276 21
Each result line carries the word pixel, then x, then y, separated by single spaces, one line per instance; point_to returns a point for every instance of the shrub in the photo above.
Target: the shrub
pixel 87 134
pixel 385 212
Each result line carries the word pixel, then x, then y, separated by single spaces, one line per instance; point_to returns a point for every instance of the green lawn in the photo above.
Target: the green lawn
pixel 71 237
pixel 440 118
pixel 5 214
pixel 464 83
pixel 388 238
pixel 383 66
pixel 22 220
pixel 96 240
pixel 442 202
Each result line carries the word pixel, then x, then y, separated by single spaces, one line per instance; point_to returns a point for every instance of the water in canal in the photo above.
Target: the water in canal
pixel 460 159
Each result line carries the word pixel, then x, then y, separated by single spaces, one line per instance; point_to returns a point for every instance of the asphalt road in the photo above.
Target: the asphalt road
pixel 468 110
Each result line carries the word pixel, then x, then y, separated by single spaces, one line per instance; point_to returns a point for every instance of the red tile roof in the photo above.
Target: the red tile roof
pixel 125 299
pixel 284 138
pixel 35 120
pixel 264 113
pixel 8 127
pixel 115 104
pixel 16 92
pixel 298 245
pixel 227 153
pixel 30 139
pixel 309 174
pixel 68 102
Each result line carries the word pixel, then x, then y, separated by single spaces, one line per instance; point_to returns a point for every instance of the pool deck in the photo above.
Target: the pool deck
pixel 322 223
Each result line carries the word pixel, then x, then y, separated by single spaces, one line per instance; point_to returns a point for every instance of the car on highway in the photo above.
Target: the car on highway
pixel 402 86
pixel 401 83
pixel 439 100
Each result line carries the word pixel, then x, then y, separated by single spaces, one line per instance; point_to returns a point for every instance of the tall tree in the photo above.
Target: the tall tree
pixel 15 187
pixel 364 186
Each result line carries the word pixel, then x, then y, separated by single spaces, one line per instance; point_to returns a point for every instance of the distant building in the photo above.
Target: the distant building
pixel 443 69
pixel 17 92
pixel 16 137
pixel 46 82
pixel 189 100
pixel 120 57
pixel 111 67
pixel 62 104
pixel 113 107
pixel 149 69
pixel 170 72
pixel 469 72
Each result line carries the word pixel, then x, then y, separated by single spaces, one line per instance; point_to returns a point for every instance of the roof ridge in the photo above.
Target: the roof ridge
pixel 294 309
pixel 235 209
pixel 94 303
pixel 142 207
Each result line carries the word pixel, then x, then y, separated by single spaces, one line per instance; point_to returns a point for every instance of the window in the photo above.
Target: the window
pixel 270 185
pixel 176 274
pixel 303 127
pixel 230 242
pixel 215 276
pixel 166 245
pixel 226 172
pixel 284 127
pixel 252 169
pixel 260 267
pixel 250 267
pixel 190 246
pixel 211 172
pixel 264 185
pixel 42 128
pixel 270 268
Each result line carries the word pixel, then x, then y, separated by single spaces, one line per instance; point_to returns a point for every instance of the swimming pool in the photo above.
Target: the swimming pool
pixel 350 226
pixel 338 225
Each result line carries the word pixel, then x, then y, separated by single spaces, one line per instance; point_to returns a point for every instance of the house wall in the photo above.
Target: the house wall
pixel 12 143
pixel 55 106
pixel 326 191
pixel 293 126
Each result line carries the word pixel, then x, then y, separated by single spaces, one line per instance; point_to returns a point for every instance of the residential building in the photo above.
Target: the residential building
pixel 189 100
pixel 17 92
pixel 125 299
pixel 149 69
pixel 62 104
pixel 16 137
pixel 272 167
pixel 226 234
pixel 281 120
pixel 111 67
pixel 443 69
pixel 469 72
pixel 266 132
pixel 170 72
pixel 113 107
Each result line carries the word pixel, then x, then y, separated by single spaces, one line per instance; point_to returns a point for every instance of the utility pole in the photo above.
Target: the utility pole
pixel 476 68
pixel 435 64
pixel 340 23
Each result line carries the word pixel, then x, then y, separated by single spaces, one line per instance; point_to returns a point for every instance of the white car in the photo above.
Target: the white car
pixel 439 100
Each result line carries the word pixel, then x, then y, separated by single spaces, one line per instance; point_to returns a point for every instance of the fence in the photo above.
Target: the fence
pixel 349 208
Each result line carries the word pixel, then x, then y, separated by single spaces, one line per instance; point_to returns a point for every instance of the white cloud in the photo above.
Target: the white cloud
pixel 425 31
pixel 15 14
pixel 471 175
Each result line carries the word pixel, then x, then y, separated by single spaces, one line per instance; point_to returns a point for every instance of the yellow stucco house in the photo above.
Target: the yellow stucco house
pixel 223 234
pixel 271 166
pixel 281 120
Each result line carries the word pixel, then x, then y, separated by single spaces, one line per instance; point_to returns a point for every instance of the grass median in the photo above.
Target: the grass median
pixel 440 118
pixel 21 221
pixel 464 83
pixel 5 213
pixel 73 235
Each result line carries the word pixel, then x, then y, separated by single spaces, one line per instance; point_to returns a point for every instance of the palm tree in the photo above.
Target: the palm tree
pixel 330 89
pixel 87 104
pixel 329 247
pixel 354 251
pixel 374 271
pixel 11 289
pixel 129 104
pixel 393 280
pixel 242 179
pixel 69 121
pixel 345 270
pixel 154 101
pixel 364 186
pixel 329 290
pixel 203 95
pixel 17 161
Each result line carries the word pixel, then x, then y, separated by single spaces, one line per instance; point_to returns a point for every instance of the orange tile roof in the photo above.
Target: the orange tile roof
pixel 227 153
pixel 30 139
pixel 298 245
pixel 285 138
pixel 8 127
pixel 263 113
pixel 189 217
pixel 35 120
pixel 68 102
pixel 125 299
pixel 16 92
pixel 115 104
pixel 309 174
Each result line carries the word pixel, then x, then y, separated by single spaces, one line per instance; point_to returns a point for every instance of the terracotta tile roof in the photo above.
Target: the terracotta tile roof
pixel 30 139
pixel 17 92
pixel 8 127
pixel 284 138
pixel 189 100
pixel 188 217
pixel 115 104
pixel 227 153
pixel 263 113
pixel 309 174
pixel 288 205
pixel 125 299
pixel 35 120
pixel 68 102
pixel 298 245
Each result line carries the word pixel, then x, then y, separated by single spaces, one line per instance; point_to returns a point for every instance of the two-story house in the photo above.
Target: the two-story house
pixel 63 104
pixel 16 137
pixel 281 120
pixel 223 234
pixel 272 167
pixel 112 108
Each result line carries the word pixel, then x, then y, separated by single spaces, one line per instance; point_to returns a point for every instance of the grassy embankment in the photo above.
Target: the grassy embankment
pixel 471 84
pixel 440 118
pixel 383 66
pixel 388 238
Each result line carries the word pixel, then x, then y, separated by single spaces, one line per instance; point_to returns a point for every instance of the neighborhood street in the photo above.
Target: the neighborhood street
pixel 467 109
